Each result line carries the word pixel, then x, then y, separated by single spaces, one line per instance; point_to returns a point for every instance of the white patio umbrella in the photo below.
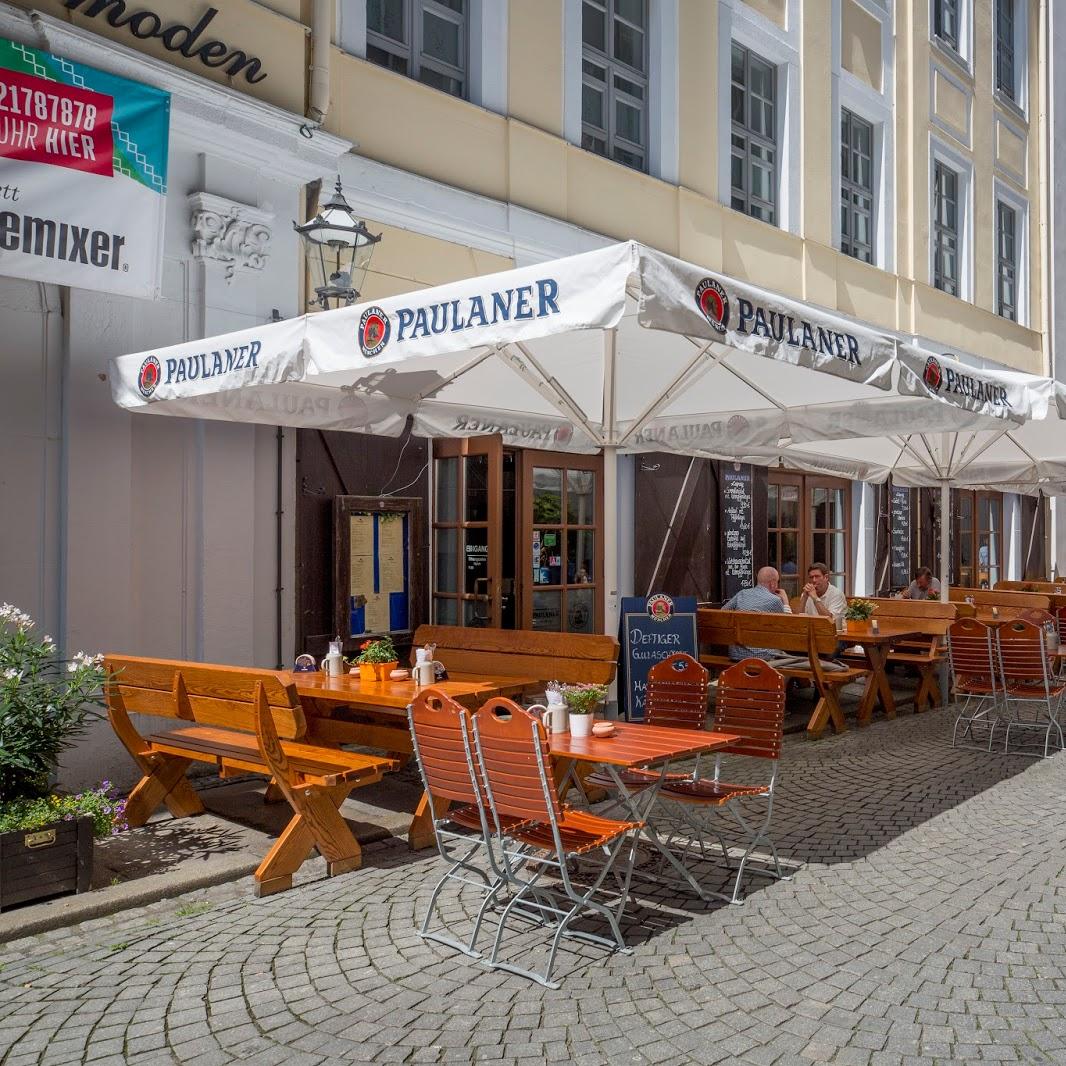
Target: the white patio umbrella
pixel 619 349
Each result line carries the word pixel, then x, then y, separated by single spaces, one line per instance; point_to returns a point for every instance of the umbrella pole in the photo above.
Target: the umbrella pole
pixel 945 538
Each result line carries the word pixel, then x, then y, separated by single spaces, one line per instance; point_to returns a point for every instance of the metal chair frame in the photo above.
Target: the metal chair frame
pixel 1028 681
pixel 973 655
pixel 458 848
pixel 754 710
pixel 529 858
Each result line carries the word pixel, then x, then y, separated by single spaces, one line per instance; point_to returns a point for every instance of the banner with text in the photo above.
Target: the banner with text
pixel 83 174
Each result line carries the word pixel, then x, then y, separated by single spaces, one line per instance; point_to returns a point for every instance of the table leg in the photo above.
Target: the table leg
pixel 640 814
pixel 878 690
pixel 420 833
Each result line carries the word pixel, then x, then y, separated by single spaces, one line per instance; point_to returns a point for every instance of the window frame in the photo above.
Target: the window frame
pixel 941 231
pixel 1003 193
pixel 1005 49
pixel 411 49
pixel 743 129
pixel 1006 266
pixel 940 153
pixel 850 188
pixel 612 94
pixel 937 14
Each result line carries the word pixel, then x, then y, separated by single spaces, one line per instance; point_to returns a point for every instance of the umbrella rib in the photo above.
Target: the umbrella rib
pixel 931 467
pixel 455 374
pixel 981 451
pixel 664 397
pixel 936 467
pixel 751 384
pixel 547 386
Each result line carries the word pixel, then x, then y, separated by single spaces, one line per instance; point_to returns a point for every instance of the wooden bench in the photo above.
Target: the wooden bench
pixel 926 655
pixel 1046 588
pixel 572 658
pixel 242 721
pixel 986 598
pixel 797 634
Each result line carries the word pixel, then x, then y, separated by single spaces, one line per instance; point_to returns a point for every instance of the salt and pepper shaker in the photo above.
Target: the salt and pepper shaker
pixel 875 626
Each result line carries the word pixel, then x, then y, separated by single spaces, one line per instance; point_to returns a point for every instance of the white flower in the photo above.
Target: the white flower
pixel 12 675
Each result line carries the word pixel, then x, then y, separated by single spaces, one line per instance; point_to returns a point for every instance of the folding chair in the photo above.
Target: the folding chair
pixel 512 751
pixel 975 677
pixel 1029 682
pixel 676 697
pixel 751 705
pixel 440 736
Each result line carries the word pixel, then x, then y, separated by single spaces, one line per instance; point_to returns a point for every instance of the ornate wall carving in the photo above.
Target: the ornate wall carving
pixel 233 234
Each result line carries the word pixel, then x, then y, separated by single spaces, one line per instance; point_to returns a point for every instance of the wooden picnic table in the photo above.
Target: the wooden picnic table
pixel 876 647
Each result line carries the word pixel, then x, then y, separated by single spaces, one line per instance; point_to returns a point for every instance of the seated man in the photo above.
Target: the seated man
pixel 923 587
pixel 820 597
pixel 765 597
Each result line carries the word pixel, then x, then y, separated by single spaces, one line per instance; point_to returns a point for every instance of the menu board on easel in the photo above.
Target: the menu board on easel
pixel 378 548
pixel 899 547
pixel 735 511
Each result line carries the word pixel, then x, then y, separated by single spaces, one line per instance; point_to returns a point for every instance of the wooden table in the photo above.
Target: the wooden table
pixel 349 710
pixel 876 647
pixel 637 746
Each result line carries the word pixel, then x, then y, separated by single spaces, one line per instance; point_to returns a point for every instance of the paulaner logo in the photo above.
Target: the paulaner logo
pixel 149 376
pixel 933 375
pixel 210 364
pixel 937 377
pixel 713 302
pixel 374 330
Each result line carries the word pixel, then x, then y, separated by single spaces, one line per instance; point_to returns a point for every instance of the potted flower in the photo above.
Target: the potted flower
pixel 45 704
pixel 582 702
pixel 860 610
pixel 376 659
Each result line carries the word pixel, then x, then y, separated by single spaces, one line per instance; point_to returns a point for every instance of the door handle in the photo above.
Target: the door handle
pixel 484 598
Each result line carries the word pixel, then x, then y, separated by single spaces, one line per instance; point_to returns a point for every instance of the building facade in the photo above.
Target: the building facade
pixel 887 160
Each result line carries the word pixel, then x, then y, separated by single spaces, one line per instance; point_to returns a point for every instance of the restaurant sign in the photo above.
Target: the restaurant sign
pixel 83 170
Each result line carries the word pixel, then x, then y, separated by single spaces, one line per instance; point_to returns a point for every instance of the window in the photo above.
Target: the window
pixel 424 39
pixel 977 533
pixel 945 229
pixel 753 165
pixel 1005 43
pixel 1006 261
pixel 614 80
pixel 856 187
pixel 946 22
pixel 807 523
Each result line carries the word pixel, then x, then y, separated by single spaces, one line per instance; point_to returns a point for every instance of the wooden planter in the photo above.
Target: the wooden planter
pixel 53 861
pixel 377 671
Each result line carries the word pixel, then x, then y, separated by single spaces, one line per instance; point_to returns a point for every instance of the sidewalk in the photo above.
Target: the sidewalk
pixel 929 925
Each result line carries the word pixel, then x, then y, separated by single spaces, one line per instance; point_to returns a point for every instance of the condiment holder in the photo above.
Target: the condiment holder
pixel 603 729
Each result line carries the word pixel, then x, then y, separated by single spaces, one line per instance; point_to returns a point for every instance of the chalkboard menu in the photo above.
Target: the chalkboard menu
pixel 735 511
pixel 899 550
pixel 649 637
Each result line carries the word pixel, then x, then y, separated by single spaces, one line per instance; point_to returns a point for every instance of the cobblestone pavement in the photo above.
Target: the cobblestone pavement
pixel 928 925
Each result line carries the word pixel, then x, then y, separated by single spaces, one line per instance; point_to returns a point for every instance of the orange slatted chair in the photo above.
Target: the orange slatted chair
pixel 750 704
pixel 676 697
pixel 975 677
pixel 512 755
pixel 1029 681
pixel 443 749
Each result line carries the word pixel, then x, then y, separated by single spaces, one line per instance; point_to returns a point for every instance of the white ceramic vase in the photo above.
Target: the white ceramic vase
pixel 581 724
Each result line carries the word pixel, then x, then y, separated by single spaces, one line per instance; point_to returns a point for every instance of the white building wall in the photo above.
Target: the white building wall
pixel 139 534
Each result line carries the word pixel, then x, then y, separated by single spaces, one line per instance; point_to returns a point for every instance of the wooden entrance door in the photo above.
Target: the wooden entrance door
pixel 467 515
pixel 561 538
pixel 808 521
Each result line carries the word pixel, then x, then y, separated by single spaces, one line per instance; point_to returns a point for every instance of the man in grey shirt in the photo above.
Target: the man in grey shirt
pixel 923 587
pixel 765 597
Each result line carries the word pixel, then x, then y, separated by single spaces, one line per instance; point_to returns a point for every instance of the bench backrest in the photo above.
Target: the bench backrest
pixel 936 617
pixel 1046 587
pixel 203 693
pixel 796 633
pixel 573 658
pixel 998 598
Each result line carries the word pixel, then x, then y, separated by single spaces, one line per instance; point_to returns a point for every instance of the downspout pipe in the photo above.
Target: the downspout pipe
pixel 321 31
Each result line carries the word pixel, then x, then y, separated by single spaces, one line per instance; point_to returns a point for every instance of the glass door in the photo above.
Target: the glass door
pixel 562 543
pixel 784 530
pixel 829 506
pixel 808 521
pixel 467 513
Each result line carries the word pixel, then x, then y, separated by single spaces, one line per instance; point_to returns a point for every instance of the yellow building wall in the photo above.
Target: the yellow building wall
pixel 521 158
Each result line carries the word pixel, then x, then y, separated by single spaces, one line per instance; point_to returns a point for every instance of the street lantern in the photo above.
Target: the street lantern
pixel 339 247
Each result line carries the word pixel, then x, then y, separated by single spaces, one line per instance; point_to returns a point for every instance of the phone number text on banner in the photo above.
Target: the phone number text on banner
pixel 83 168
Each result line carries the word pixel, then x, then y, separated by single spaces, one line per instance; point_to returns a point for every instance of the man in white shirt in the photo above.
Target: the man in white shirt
pixel 820 597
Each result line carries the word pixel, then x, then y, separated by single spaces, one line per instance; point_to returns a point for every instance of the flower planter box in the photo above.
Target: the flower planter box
pixel 54 861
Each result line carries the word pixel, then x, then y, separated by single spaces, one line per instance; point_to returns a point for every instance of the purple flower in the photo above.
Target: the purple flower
pixel 68 817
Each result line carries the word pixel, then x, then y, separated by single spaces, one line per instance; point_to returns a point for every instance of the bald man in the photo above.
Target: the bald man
pixel 767 597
